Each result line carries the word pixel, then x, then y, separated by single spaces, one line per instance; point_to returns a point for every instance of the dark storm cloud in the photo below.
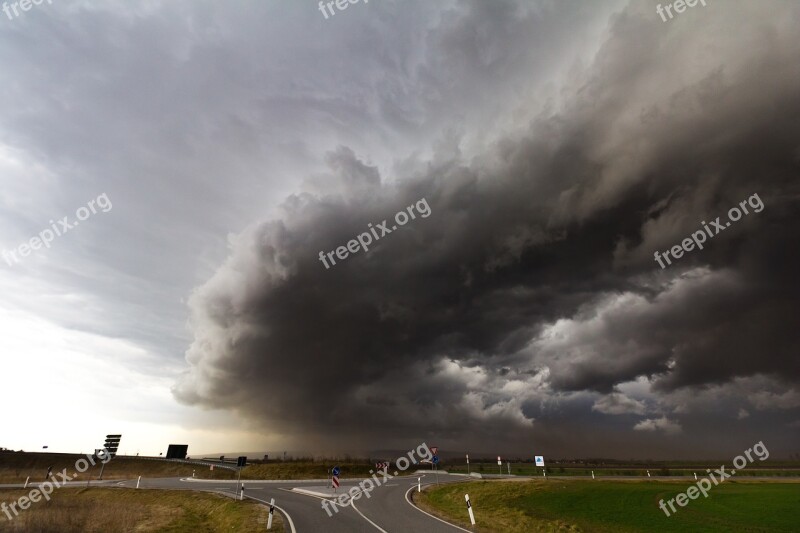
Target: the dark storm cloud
pixel 532 283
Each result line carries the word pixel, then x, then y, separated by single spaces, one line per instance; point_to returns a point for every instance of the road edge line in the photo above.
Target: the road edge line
pixel 409 502
pixel 279 508
pixel 379 528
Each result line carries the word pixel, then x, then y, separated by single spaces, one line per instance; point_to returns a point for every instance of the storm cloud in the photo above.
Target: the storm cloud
pixel 528 305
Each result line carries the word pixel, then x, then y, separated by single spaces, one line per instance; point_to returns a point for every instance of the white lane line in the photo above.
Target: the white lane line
pixel 281 509
pixel 409 502
pixel 379 528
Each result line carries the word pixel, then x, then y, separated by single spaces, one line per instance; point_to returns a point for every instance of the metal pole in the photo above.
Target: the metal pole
pixel 26 482
pixel 239 479
pixel 101 471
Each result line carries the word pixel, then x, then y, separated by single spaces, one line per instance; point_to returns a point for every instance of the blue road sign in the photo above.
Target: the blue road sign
pixel 336 471
pixel 435 459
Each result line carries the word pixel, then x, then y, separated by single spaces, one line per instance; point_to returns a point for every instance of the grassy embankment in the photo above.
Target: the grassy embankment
pixel 16 467
pixel 99 510
pixel 616 506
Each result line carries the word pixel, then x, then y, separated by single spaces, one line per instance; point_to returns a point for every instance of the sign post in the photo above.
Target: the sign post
pixel 111 447
pixel 435 461
pixel 240 463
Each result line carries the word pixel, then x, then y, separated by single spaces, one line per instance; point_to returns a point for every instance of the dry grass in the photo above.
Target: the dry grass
pixel 118 510
pixel 16 467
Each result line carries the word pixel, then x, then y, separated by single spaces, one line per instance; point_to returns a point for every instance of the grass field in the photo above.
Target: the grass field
pixel 98 510
pixel 616 506
pixel 786 469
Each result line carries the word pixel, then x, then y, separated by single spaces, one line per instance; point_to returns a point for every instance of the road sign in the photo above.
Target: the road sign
pixel 112 444
pixel 434 450
pixel 335 481
pixel 435 459
pixel 177 451
pixel 336 471
pixel 382 465
pixel 241 461
pixel 499 461
pixel 539 460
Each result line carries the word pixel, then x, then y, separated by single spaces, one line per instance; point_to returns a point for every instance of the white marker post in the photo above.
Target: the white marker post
pixel 138 481
pixel 695 476
pixel 419 484
pixel 500 464
pixel 592 474
pixel 467 464
pixel 648 473
pixel 469 508
pixel 271 511
pixel 241 494
pixel 26 482
pixel 509 468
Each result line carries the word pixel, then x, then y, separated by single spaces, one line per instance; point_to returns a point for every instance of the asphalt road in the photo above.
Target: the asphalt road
pixel 386 509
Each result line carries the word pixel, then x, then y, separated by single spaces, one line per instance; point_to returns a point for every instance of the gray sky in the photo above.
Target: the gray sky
pixel 558 146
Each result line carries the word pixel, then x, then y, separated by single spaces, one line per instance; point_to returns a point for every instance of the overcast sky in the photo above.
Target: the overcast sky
pixel 558 145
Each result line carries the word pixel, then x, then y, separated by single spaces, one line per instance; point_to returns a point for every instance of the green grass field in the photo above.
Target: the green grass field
pixel 616 506
pixel 98 510
pixel 785 469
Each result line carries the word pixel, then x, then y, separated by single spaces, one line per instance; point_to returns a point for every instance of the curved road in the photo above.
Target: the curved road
pixel 385 510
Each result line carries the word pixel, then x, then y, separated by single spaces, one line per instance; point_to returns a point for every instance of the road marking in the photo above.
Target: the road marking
pixel 379 528
pixel 281 509
pixel 429 514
